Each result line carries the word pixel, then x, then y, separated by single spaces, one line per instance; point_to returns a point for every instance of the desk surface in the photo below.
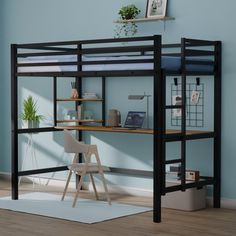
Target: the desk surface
pixel 124 130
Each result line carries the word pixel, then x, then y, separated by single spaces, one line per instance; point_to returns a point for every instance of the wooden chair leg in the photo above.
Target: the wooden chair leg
pixel 94 186
pixel 78 189
pixel 100 170
pixel 66 187
pixel 105 188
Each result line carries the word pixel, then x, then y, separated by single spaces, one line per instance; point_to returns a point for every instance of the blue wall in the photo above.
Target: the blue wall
pixel 55 20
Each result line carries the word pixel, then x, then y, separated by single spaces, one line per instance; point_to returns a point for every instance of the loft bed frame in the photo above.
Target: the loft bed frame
pixel 190 53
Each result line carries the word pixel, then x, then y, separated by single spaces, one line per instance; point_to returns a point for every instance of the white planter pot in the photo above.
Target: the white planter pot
pixel 30 124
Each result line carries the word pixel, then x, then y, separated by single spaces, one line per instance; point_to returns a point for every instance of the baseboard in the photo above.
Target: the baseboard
pixel 5 175
pixel 122 190
pixel 225 202
pixel 38 180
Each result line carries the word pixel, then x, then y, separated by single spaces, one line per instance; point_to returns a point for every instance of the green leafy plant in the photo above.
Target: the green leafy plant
pixel 129 12
pixel 129 28
pixel 30 110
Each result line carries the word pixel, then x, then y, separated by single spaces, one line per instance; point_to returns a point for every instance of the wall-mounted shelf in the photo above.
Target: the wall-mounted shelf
pixel 79 99
pixel 81 121
pixel 166 18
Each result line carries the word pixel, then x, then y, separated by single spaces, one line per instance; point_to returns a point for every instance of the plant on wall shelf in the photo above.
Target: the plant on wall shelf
pixel 128 12
pixel 29 113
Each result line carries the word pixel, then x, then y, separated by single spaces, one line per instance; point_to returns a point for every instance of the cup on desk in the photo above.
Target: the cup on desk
pixel 114 118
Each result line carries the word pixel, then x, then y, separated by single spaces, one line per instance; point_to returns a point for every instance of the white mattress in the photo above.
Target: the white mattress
pixel 97 67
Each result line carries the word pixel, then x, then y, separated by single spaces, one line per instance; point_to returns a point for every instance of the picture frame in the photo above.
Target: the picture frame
pixel 156 9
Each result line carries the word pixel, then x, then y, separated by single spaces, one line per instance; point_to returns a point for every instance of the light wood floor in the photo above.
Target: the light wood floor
pixel 205 222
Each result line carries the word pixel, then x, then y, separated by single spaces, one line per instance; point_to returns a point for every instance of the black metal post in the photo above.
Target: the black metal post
pixel 163 113
pixel 14 123
pixel 157 130
pixel 217 126
pixel 55 100
pixel 104 101
pixel 183 114
pixel 78 81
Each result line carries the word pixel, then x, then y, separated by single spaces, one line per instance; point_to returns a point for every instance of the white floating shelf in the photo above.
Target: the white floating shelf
pixel 146 19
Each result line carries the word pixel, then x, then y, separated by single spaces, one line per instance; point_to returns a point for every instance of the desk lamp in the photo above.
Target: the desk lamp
pixel 141 97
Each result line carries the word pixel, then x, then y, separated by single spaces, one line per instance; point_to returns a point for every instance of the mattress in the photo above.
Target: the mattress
pixel 169 63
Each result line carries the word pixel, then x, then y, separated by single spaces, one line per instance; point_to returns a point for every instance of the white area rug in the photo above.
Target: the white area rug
pixel 86 211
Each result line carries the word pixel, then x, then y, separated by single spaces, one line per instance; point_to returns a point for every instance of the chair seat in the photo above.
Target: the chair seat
pixel 92 168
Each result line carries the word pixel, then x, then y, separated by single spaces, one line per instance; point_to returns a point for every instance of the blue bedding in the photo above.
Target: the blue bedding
pixel 169 63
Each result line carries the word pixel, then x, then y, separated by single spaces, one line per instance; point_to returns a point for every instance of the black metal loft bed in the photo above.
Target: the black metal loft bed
pixel 141 56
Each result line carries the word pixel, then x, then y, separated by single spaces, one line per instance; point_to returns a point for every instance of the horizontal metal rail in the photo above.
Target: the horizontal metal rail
pixel 36 130
pixel 41 171
pixel 199 42
pixel 109 73
pixel 133 172
pixel 195 52
pixel 89 73
pixel 179 136
pixel 197 184
pixel 94 41
pixel 198 62
pixel 167 162
pixel 101 50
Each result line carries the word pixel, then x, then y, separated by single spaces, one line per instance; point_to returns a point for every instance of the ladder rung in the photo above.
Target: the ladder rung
pixel 173 106
pixel 173 161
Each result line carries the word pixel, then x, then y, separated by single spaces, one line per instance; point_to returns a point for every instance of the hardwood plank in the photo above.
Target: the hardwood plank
pixel 207 222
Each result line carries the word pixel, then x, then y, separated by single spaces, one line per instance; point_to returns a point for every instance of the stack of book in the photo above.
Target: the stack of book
pixel 90 95
pixel 174 172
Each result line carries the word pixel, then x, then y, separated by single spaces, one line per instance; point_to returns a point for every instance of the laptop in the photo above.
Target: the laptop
pixel 134 119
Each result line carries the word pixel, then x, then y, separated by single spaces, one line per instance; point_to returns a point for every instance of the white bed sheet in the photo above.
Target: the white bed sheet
pixel 97 67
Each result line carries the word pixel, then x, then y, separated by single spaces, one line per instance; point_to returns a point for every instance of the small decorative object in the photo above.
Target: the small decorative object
pixel 177 100
pixel 156 8
pixel 72 114
pixel 80 112
pixel 74 92
pixel 192 175
pixel 195 97
pixel 88 115
pixel 29 113
pixel 129 28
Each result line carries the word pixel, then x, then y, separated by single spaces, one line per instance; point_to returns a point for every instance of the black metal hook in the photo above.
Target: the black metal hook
pixel 176 81
pixel 198 81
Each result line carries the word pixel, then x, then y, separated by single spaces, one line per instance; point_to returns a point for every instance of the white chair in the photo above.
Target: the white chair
pixel 72 145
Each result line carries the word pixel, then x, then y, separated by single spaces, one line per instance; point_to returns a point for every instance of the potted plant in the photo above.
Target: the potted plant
pixel 29 114
pixel 129 28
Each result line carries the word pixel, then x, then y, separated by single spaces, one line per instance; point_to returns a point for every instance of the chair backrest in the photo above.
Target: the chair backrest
pixel 72 145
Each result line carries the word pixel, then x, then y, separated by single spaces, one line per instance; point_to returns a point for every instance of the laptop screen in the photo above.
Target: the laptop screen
pixel 135 119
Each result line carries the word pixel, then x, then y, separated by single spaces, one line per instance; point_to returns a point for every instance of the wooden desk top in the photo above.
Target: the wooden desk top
pixel 125 130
